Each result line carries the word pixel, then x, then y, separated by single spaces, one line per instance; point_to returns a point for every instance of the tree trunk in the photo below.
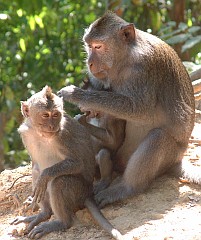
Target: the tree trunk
pixel 178 15
pixel 2 126
pixel 178 11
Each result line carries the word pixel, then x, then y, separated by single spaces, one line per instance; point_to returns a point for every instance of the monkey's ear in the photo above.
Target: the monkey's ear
pixel 24 109
pixel 128 32
pixel 86 80
pixel 85 84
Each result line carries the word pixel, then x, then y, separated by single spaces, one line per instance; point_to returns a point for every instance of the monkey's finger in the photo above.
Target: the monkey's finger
pixel 38 198
pixel 14 222
pixel 34 206
pixel 36 193
pixel 35 197
pixel 101 200
pixel 40 195
pixel 59 93
pixel 37 232
pixel 102 204
pixel 18 220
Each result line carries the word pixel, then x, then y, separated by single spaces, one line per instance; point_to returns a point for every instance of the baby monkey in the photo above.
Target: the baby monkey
pixel 63 166
pixel 107 133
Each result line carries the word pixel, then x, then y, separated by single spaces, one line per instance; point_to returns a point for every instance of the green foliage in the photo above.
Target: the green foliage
pixel 156 17
pixel 190 37
pixel 41 43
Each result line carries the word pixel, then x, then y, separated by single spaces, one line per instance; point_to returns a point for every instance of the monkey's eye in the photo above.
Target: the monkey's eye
pixel 98 46
pixel 45 115
pixel 55 115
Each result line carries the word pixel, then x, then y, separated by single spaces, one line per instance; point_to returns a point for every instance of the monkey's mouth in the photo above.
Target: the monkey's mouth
pixel 100 74
pixel 48 134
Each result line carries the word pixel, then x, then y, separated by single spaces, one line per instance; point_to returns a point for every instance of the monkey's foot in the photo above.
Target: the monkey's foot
pixel 41 217
pixel 47 227
pixel 100 186
pixel 112 194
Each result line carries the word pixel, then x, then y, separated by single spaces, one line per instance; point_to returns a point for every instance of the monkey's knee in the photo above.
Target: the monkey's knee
pixel 156 135
pixel 102 155
pixel 104 161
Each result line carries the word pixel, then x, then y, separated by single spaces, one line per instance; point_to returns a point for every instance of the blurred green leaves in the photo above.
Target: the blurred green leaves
pixel 190 37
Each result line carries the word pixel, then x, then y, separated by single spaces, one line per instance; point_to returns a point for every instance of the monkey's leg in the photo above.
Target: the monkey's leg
pixel 155 155
pixel 44 215
pixel 65 194
pixel 104 161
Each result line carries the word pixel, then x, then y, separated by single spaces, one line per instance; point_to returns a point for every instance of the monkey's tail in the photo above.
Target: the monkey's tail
pixel 187 171
pixel 101 220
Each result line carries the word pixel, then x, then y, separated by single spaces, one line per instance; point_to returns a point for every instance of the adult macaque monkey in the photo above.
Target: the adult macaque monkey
pixel 63 165
pixel 151 90
pixel 108 134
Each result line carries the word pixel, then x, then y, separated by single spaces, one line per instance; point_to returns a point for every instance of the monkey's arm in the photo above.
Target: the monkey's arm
pixel 66 167
pixel 100 133
pixel 139 107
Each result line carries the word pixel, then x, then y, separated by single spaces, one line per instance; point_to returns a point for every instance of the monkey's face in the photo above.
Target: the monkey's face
pixel 47 122
pixel 107 41
pixel 100 59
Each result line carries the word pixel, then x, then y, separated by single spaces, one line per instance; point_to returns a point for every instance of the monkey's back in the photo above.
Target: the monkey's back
pixel 159 72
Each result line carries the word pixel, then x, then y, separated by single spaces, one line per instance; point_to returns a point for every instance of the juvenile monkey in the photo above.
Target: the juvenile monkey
pixel 108 134
pixel 151 90
pixel 63 165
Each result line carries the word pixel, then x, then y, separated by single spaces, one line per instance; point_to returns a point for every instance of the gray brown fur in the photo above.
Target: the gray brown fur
pixel 150 89
pixel 63 165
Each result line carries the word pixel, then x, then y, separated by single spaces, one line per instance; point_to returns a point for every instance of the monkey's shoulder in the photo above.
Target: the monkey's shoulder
pixel 70 124
pixel 72 130
pixel 23 128
pixel 27 133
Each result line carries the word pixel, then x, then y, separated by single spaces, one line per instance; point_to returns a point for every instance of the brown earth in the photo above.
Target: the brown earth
pixel 170 209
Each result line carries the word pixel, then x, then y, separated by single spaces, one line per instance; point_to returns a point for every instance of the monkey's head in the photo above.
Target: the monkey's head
pixel 44 111
pixel 106 41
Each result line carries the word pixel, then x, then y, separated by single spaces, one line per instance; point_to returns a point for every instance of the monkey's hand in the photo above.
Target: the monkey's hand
pixel 81 118
pixel 89 113
pixel 40 188
pixel 67 92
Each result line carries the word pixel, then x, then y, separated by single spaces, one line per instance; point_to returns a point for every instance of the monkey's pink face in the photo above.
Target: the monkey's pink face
pixel 47 123
pixel 99 60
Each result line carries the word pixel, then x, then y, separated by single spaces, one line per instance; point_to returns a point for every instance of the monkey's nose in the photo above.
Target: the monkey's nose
pixel 51 127
pixel 90 65
pixel 90 62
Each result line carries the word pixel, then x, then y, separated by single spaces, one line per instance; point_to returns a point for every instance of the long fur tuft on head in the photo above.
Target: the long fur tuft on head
pixel 45 99
pixel 48 92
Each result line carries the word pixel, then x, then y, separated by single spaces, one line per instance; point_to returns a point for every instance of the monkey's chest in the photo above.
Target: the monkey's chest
pixel 44 152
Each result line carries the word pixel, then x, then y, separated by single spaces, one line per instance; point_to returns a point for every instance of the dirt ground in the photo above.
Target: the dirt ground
pixel 170 209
